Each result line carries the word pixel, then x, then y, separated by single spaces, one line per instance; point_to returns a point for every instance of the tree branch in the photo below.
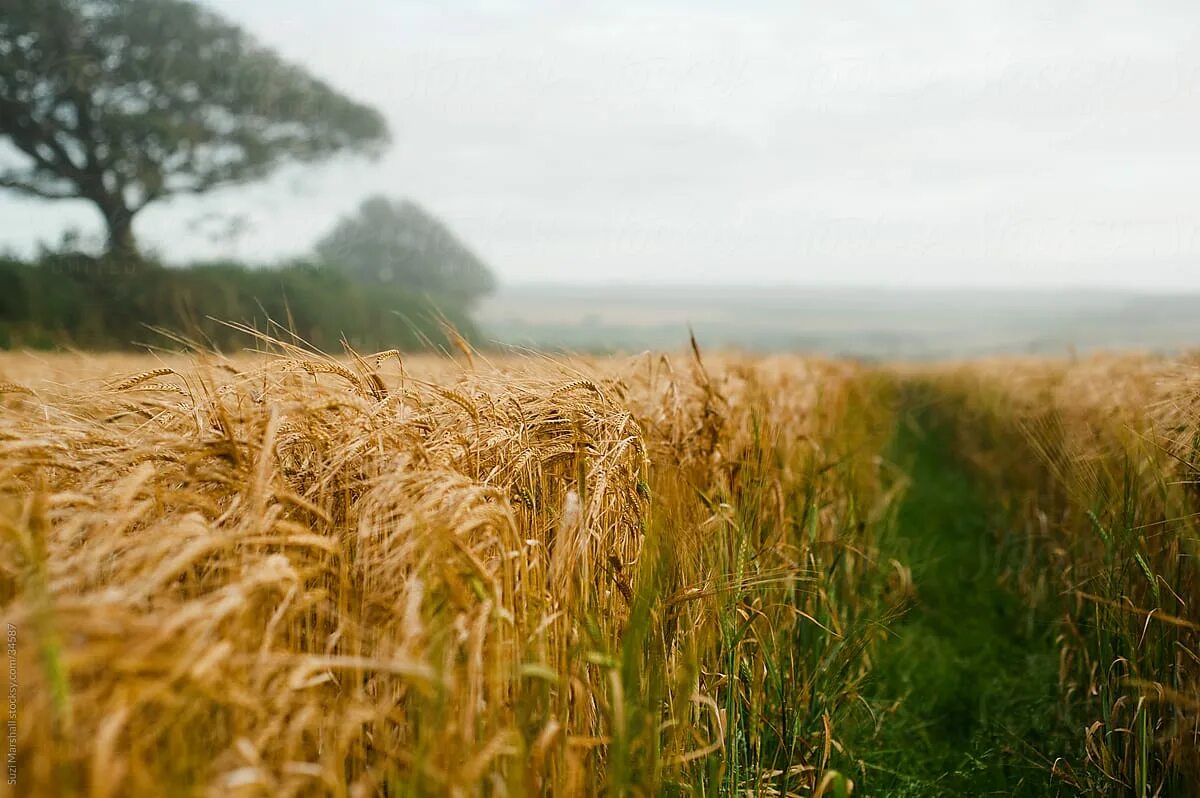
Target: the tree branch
pixel 27 132
pixel 36 191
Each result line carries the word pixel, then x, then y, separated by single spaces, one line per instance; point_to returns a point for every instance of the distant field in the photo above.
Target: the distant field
pixel 283 574
pixel 866 323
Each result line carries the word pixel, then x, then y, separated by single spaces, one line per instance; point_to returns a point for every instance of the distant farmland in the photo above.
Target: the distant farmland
pixel 866 323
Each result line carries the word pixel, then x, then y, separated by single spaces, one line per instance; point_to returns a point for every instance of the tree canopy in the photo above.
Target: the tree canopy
pixel 398 243
pixel 125 102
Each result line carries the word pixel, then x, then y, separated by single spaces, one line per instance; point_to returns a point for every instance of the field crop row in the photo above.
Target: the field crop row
pixel 289 574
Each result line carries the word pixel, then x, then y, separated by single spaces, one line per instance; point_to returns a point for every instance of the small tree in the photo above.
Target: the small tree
pixel 399 243
pixel 126 102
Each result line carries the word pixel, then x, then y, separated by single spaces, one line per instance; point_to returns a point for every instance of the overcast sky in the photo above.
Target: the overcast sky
pixel 964 143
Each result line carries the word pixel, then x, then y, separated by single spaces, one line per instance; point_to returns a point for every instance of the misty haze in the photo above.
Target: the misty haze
pixel 502 398
pixel 1023 146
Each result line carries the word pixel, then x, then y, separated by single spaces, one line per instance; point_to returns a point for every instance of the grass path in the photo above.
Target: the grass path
pixel 965 689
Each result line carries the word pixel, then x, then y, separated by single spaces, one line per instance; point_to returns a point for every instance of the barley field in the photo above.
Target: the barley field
pixel 288 574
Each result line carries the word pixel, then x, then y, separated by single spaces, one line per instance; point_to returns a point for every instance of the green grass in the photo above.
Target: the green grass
pixel 963 699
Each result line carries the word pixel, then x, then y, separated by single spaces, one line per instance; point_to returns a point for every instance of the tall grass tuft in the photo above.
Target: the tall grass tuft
pixel 1098 462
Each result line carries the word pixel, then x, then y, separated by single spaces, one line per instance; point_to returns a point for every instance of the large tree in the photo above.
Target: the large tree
pixel 399 243
pixel 125 102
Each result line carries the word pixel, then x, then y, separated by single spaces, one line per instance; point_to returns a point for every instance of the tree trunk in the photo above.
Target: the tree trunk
pixel 122 247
